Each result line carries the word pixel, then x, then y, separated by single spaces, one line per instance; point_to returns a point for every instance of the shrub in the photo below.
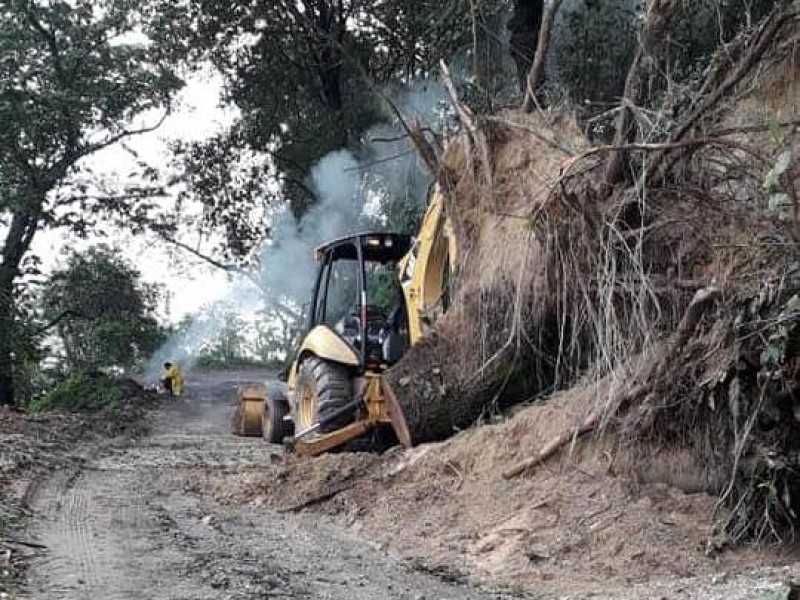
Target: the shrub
pixel 81 390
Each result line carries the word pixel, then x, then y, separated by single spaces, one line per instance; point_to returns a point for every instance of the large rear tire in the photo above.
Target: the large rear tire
pixel 274 428
pixel 324 391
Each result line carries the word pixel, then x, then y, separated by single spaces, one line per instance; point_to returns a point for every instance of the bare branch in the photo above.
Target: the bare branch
pixel 766 36
pixel 553 143
pixel 232 268
pixel 92 148
pixel 229 268
pixel 466 116
pixel 53 322
pixel 380 161
pixel 542 45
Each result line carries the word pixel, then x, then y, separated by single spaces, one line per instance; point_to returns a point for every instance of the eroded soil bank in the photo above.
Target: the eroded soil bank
pixel 573 527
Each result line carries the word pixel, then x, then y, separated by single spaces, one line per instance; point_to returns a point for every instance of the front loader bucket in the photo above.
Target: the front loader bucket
pixel 247 418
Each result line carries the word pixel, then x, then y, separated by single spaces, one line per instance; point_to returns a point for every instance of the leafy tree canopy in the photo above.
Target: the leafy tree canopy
pixel 75 78
pixel 101 311
pixel 304 76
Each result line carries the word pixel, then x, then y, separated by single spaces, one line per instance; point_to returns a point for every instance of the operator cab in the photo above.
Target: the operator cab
pixel 358 295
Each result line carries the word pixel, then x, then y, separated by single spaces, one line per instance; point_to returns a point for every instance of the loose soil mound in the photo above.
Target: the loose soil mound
pixel 570 526
pixel 31 442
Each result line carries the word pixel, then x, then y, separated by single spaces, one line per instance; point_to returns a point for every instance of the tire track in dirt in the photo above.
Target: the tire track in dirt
pixel 86 524
pixel 128 526
pixel 73 529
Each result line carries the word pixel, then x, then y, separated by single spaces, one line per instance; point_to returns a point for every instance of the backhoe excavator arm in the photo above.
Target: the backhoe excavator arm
pixel 425 271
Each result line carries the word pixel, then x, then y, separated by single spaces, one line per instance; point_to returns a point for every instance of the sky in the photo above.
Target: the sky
pixel 190 284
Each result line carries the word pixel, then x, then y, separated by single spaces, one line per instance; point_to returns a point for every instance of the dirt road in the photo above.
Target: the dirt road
pixel 127 525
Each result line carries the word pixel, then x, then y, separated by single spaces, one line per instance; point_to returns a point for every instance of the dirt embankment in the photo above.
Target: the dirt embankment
pixel 674 281
pixel 569 527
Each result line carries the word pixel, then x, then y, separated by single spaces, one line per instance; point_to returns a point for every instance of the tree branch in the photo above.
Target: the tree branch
pixel 542 45
pixel 761 41
pixel 229 268
pixel 92 148
pixel 53 322
pixel 73 133
pixel 50 40
pixel 553 143
pixel 477 137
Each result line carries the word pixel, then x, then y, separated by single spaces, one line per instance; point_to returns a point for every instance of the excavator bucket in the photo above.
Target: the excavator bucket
pixel 247 418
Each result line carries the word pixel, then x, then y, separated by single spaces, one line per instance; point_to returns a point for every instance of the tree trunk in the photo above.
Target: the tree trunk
pixel 542 46
pixel 624 129
pixel 18 240
pixel 460 368
pixel 524 36
pixel 6 331
pixel 653 40
pixel 434 391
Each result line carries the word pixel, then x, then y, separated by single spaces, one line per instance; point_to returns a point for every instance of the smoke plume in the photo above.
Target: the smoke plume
pixel 383 187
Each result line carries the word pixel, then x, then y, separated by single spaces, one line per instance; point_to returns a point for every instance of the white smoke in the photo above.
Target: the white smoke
pixel 287 263
pixel 347 187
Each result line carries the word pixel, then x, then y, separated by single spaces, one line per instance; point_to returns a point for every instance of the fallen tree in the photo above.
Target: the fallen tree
pixel 665 264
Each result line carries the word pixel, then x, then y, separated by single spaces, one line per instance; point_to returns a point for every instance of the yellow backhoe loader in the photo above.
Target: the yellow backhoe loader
pixel 375 296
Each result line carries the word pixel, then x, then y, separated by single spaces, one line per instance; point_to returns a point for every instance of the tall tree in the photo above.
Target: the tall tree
pixel 73 81
pixel 303 73
pixel 101 310
pixel 292 70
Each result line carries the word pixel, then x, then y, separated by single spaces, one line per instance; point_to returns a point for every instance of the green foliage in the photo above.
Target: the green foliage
pixel 27 344
pixel 303 76
pixel 81 390
pixel 102 312
pixel 67 90
pixel 219 338
pixel 236 187
pixel 28 356
pixel 228 347
pixel 597 39
pixel 210 361
pixel 383 288
pixel 74 78
pixel 779 202
pixel 699 28
pixel 778 335
pixel 275 332
pixel 293 71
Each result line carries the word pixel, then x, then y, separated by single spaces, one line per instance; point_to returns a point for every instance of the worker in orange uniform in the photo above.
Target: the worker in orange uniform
pixel 172 379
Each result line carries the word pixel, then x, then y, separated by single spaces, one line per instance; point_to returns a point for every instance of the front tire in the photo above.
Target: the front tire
pixel 324 390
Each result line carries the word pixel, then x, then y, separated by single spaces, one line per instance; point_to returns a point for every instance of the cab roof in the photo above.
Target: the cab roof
pixel 376 246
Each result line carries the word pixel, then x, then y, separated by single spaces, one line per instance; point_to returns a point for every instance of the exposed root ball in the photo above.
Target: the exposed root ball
pixel 686 288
